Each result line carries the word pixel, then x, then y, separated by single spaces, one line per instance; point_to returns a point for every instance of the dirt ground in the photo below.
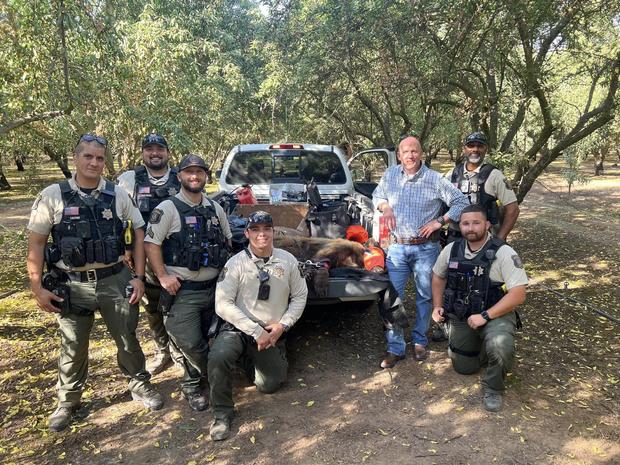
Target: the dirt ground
pixel 562 405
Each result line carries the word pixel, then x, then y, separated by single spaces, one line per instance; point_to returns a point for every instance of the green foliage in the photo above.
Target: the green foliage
pixel 571 173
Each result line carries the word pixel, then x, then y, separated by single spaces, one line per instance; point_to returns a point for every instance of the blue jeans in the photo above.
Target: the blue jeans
pixel 402 260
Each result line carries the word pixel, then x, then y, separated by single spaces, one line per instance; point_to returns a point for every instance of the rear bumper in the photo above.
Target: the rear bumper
pixel 351 286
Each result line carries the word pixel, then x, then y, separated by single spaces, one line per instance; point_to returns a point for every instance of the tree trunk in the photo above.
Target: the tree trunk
pixel 4 182
pixel 19 162
pixel 59 159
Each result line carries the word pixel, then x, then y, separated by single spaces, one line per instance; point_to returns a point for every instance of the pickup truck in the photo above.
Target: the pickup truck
pixel 278 175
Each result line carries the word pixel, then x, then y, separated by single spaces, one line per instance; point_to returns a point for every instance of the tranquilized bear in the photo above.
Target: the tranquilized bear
pixel 340 252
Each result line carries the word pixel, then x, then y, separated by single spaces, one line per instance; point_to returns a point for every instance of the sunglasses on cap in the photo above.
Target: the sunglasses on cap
pixel 259 218
pixel 154 139
pixel 92 138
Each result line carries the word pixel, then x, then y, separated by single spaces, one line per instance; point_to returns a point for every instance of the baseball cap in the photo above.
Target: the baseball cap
pixel 192 160
pixel 154 139
pixel 476 137
pixel 259 217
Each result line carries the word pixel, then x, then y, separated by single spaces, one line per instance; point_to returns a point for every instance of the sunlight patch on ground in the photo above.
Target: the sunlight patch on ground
pixel 591 451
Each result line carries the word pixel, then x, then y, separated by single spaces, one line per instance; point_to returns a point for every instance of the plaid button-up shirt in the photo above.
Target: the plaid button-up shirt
pixel 417 199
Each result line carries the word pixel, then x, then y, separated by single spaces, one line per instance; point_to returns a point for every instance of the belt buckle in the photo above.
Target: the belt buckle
pixel 91 275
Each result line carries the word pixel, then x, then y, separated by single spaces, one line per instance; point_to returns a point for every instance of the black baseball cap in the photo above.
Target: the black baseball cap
pixel 259 217
pixel 154 139
pixel 476 137
pixel 192 160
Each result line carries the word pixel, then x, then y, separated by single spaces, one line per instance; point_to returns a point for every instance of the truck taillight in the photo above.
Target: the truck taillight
pixel 286 146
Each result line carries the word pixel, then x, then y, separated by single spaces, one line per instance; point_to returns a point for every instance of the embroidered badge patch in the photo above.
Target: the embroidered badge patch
pixel 172 191
pixel 278 271
pixel 156 215
pixel 107 214
pixel 517 261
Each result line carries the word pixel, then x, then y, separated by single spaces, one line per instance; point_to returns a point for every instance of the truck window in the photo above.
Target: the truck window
pixel 299 165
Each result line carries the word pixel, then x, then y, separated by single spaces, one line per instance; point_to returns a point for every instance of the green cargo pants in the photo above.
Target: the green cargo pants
pixel 189 314
pixel 150 301
pixel 230 347
pixel 493 344
pixel 108 296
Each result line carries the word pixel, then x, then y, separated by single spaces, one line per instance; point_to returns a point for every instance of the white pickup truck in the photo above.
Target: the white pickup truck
pixel 278 174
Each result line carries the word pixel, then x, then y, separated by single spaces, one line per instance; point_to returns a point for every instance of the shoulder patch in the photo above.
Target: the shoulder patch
pixel 35 205
pixel 222 275
pixel 517 261
pixel 156 215
pixel 507 183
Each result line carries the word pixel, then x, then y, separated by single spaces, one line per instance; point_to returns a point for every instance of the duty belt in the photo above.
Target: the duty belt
pixel 90 276
pixel 197 285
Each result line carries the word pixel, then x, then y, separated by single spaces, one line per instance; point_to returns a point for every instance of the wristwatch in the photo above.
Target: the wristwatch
pixel 141 277
pixel 441 220
pixel 485 315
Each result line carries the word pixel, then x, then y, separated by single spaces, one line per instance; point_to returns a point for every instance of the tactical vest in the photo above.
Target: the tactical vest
pixel 90 230
pixel 486 200
pixel 148 195
pixel 200 242
pixel 469 289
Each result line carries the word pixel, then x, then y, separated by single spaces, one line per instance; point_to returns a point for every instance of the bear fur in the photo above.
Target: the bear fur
pixel 340 252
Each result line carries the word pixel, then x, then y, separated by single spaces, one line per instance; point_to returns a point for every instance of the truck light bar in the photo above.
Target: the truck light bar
pixel 286 146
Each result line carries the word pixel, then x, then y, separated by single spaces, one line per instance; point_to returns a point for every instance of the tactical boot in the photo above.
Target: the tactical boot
pixel 220 429
pixel 492 400
pixel 149 397
pixel 196 400
pixel 161 362
pixel 61 418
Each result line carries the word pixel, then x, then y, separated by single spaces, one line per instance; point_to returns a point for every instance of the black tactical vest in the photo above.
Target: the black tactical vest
pixel 200 242
pixel 469 289
pixel 90 230
pixel 486 200
pixel 148 195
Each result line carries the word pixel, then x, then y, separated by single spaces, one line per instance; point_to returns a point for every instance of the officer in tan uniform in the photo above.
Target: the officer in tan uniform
pixel 150 184
pixel 484 185
pixel 260 295
pixel 187 242
pixel 469 279
pixel 87 217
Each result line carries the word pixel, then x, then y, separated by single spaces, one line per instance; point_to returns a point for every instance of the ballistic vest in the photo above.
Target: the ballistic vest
pixel 90 230
pixel 486 200
pixel 200 242
pixel 469 289
pixel 148 195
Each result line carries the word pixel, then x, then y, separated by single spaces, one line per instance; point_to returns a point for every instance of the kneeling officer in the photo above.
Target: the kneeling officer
pixel 89 219
pixel 468 281
pixel 187 243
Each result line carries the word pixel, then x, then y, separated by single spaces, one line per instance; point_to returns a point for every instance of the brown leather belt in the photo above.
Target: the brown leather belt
pixel 412 240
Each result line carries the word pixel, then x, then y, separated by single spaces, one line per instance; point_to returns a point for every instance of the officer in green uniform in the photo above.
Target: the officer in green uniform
pixel 87 217
pixel 469 278
pixel 187 243
pixel 260 295
pixel 149 184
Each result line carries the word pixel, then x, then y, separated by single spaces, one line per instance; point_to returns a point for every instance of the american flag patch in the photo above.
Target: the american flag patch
pixel 144 190
pixel 190 220
pixel 453 265
pixel 72 211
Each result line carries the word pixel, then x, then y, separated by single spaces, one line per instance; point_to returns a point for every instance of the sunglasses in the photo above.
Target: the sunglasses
pixel 154 139
pixel 92 138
